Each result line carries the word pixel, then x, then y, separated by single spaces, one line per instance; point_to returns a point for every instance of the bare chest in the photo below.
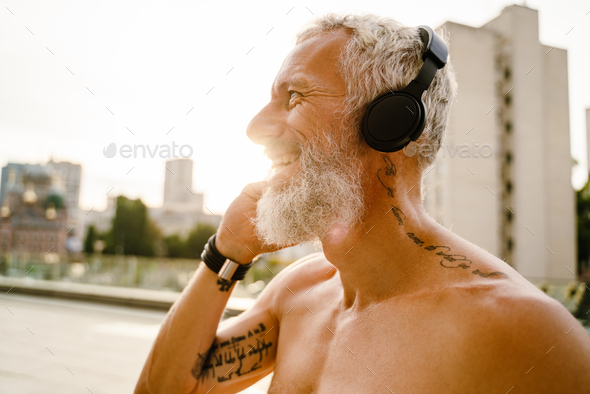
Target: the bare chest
pixel 376 353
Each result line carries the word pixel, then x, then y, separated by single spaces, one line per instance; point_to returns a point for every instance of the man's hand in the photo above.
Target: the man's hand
pixel 236 237
pixel 191 354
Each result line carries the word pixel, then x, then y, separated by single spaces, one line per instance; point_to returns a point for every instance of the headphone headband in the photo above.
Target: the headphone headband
pixel 435 56
pixel 434 46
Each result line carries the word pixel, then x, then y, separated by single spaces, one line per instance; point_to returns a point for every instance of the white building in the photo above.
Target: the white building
pixel 178 183
pixel 518 203
pixel 183 207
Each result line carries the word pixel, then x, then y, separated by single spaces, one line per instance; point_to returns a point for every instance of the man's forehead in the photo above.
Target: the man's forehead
pixel 313 59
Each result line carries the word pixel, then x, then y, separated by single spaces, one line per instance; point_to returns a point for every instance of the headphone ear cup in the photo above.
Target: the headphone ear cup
pixel 391 120
pixel 421 122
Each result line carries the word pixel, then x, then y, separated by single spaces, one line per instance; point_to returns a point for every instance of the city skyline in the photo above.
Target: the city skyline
pixel 74 85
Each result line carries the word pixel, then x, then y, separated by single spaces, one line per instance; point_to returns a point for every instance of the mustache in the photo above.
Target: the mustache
pixel 283 146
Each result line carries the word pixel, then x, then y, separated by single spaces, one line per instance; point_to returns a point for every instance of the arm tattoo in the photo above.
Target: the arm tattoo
pixel 220 360
pixel 203 366
pixel 224 284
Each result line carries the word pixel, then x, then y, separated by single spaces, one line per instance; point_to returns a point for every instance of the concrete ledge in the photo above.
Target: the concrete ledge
pixel 127 296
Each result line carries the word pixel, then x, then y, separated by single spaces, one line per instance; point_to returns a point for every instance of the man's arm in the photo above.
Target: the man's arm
pixel 190 354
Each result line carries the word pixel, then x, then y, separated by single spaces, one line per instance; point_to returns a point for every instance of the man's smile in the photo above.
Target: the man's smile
pixel 284 160
pixel 282 167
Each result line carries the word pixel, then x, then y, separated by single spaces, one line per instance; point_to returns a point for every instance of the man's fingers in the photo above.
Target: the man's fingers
pixel 274 248
pixel 255 189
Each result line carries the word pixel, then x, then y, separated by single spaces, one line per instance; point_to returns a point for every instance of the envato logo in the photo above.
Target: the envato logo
pixel 463 151
pixel 164 151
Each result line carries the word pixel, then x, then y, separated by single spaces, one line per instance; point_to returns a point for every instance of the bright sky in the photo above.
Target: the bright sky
pixel 150 62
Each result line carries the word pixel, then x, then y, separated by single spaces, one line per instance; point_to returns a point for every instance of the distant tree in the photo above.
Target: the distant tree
pixel 132 232
pixel 197 239
pixel 583 216
pixel 175 246
pixel 91 238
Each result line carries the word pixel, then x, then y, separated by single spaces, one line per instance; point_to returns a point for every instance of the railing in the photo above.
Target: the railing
pixel 154 273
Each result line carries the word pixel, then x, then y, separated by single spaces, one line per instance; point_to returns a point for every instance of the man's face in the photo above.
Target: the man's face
pixel 316 169
pixel 305 96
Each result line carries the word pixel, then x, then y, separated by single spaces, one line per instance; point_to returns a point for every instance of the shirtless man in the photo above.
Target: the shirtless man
pixel 395 303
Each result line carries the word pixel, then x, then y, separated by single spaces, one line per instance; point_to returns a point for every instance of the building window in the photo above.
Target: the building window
pixel 509 216
pixel 508 187
pixel 509 244
pixel 508 127
pixel 506 73
pixel 507 100
pixel 508 157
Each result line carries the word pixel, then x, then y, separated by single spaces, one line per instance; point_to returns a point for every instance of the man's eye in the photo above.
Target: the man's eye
pixel 293 94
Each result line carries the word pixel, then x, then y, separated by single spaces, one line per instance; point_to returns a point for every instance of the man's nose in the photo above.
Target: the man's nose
pixel 267 125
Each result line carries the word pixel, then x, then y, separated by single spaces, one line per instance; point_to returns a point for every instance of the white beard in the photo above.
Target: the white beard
pixel 327 191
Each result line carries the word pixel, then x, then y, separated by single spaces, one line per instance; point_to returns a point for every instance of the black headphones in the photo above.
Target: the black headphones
pixel 394 119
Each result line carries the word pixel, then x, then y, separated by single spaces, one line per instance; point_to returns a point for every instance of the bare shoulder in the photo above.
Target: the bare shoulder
pixel 511 330
pixel 511 303
pixel 301 274
pixel 504 332
pixel 306 269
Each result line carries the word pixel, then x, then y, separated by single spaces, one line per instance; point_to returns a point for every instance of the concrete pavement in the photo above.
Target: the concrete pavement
pixel 50 345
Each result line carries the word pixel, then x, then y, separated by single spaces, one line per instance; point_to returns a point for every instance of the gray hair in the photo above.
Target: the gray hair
pixel 383 54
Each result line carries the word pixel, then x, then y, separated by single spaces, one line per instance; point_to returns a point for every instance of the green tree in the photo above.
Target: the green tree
pixel 197 239
pixel 175 246
pixel 132 232
pixel 91 237
pixel 583 216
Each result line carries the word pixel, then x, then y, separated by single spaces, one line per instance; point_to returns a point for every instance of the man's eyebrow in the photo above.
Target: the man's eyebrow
pixel 295 81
